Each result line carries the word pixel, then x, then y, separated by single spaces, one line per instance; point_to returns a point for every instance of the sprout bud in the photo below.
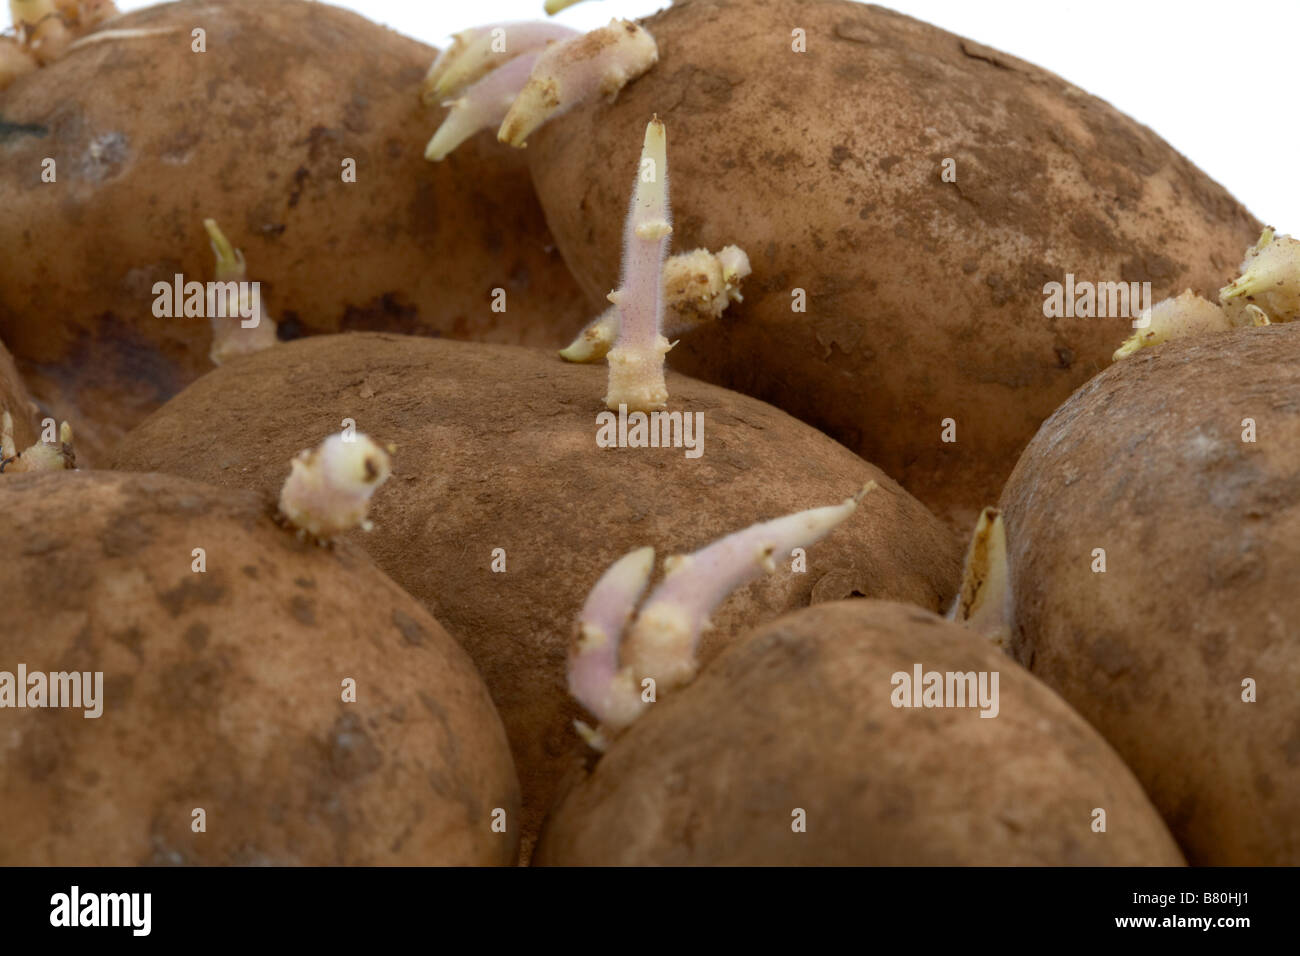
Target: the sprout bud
pixel 230 335
pixel 984 602
pixel 476 52
pixel 573 71
pixel 1176 318
pixel 606 671
pixel 483 106
pixel 636 363
pixel 329 487
pixel 1270 280
pixel 698 287
pixel 40 457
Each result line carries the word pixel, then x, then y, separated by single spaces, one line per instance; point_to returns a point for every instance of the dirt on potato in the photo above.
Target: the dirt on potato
pixel 922 297
pixel 1153 530
pixel 149 137
pixel 790 751
pixel 503 512
pixel 223 738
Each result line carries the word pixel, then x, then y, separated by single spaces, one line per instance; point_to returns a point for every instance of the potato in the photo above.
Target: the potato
pixel 223 690
pixel 496 449
pixel 15 400
pixel 924 297
pixel 149 138
pixel 796 725
pixel 1178 472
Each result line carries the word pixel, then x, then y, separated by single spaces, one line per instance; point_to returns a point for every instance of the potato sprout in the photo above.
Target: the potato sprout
pixel 698 287
pixel 42 456
pixel 601 62
pixel 329 487
pixel 1269 281
pixel 230 335
pixel 605 671
pixel 483 106
pixel 636 362
pixel 1187 314
pixel 984 602
pixel 476 52
pixel 45 30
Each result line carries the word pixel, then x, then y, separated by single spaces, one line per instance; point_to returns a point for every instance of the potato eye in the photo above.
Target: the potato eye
pixel 372 470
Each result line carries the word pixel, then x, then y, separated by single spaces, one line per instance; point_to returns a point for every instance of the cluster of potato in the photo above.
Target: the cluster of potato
pixel 375 654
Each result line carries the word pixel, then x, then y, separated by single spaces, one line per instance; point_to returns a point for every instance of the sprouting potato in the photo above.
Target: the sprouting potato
pixel 300 131
pixel 502 510
pixel 904 196
pixel 790 749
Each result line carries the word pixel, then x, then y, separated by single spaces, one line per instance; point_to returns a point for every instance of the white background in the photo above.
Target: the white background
pixel 1215 79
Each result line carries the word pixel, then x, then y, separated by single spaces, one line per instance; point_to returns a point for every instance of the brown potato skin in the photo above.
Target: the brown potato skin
pixel 925 298
pixel 497 449
pixel 798 714
pixel 223 691
pixel 1202 538
pixel 16 400
pixel 150 138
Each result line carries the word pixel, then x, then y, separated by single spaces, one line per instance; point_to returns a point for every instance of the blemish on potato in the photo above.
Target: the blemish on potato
pixel 303 610
pixel 132 639
pixel 104 158
pixel 352 754
pixel 40 752
pixel 196 635
pixel 412 632
pixel 198 589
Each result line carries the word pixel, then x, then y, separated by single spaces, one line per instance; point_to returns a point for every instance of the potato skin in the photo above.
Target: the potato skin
pixel 150 138
pixel 807 697
pixel 15 399
pixel 496 449
pixel 1202 538
pixel 223 691
pixel 924 298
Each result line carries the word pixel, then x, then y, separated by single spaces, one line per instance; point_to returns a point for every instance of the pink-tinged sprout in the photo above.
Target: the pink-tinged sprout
pixel 597 679
pixel 636 362
pixel 663 640
pixel 40 457
pixel 601 63
pixel 984 602
pixel 483 106
pixel 698 287
pixel 329 487
pixel 240 326
pixel 1270 281
pixel 606 670
pixel 555 6
pixel 476 52
pixel 1181 317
